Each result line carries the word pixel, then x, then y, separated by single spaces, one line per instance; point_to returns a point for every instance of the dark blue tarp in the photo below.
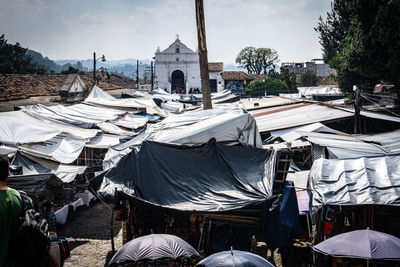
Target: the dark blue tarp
pixel 281 221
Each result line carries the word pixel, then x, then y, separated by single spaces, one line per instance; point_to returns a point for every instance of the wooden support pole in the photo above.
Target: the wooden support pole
pixel 201 37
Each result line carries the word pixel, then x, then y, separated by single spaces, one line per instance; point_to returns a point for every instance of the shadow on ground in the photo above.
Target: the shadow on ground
pixel 73 244
pixel 109 256
pixel 90 223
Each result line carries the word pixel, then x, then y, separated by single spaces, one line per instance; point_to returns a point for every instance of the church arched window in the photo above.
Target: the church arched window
pixel 177 50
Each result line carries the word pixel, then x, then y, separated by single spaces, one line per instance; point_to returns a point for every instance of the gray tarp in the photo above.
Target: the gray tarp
pixel 194 128
pixel 210 177
pixel 199 126
pixel 352 146
pixel 34 185
pixel 360 181
pixel 34 166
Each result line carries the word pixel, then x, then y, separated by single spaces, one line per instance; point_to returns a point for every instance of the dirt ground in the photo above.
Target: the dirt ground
pixel 89 235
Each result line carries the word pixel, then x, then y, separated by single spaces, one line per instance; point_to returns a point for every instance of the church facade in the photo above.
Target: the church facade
pixel 178 71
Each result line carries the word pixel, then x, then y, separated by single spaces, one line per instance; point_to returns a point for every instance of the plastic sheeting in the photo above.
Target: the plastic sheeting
pixel 50 124
pixel 99 97
pixel 132 121
pixel 353 146
pixel 314 90
pixel 197 127
pixel 33 185
pixel 193 128
pixel 64 149
pixel 104 141
pixel 14 131
pixel 210 177
pixel 361 181
pixel 297 115
pixel 32 166
pixel 289 135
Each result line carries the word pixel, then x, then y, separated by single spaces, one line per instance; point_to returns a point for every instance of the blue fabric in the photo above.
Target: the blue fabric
pixel 281 221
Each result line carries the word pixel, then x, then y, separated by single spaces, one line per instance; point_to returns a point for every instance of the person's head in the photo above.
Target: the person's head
pixel 4 171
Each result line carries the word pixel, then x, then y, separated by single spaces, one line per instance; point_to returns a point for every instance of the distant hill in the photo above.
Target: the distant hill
pixel 44 61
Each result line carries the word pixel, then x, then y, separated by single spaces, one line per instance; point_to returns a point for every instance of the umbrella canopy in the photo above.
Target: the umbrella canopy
pixel 234 258
pixel 153 247
pixel 364 244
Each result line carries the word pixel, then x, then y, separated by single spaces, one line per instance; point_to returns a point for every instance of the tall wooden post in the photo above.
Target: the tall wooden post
pixel 201 37
pixel 137 74
pixel 94 68
pixel 152 76
pixel 357 108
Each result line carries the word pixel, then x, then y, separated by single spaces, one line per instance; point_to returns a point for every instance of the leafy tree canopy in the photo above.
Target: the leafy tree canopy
pixel 70 70
pixel 270 86
pixel 309 78
pixel 361 40
pixel 13 59
pixel 257 60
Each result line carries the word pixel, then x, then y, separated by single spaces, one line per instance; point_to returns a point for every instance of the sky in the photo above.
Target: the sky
pixel 122 29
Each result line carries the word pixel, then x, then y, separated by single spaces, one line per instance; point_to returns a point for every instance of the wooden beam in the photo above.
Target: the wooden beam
pixel 202 44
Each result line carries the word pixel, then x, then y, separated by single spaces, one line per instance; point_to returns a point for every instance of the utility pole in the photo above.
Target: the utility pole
pixel 137 74
pixel 94 68
pixel 201 37
pixel 357 108
pixel 152 79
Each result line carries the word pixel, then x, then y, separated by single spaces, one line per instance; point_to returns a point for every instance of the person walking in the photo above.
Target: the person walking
pixel 10 213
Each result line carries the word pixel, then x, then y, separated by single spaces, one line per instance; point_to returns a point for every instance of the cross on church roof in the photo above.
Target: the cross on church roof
pixel 177 37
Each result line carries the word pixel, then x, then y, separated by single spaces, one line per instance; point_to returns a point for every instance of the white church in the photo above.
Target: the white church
pixel 178 71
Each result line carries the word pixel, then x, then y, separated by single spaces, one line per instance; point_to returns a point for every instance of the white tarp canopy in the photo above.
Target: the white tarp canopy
pixel 353 146
pixel 316 90
pixel 104 141
pixel 39 139
pixel 78 132
pixel 199 126
pixel 161 94
pixel 88 116
pixel 64 149
pixel 14 131
pixel 195 127
pixel 99 97
pixel 33 165
pixel 290 134
pixel 361 181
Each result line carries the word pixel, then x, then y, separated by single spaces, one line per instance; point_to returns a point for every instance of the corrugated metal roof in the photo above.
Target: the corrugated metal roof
pixel 373 115
pixel 296 116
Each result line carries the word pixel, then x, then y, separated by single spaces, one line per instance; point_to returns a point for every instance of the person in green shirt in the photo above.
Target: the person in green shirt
pixel 10 213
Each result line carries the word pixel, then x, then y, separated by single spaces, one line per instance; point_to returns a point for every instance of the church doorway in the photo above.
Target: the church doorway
pixel 178 82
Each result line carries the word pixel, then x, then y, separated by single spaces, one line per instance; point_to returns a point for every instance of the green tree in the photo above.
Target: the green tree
pixel 285 76
pixel 13 59
pixel 257 60
pixel 368 50
pixel 270 86
pixel 70 70
pixel 309 78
